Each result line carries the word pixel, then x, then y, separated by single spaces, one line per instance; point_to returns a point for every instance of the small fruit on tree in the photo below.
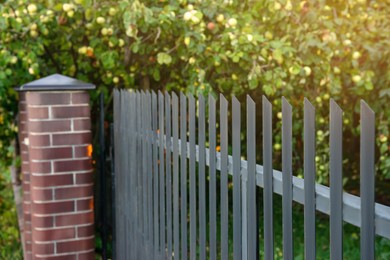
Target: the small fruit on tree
pixel 82 50
pixel 356 78
pixel 112 11
pixel 232 22
pixel 356 55
pixel 307 70
pixel 277 6
pixel 211 26
pixel 220 18
pixel 32 9
pixel 187 41
pixel 104 31
pixel 100 20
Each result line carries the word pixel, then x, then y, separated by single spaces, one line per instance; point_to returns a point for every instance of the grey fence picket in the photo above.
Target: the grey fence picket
pixel 144 173
pixel 309 170
pixel 183 174
pixel 150 173
pixel 336 181
pixel 202 177
pixel 367 181
pixel 168 173
pixel 251 177
pixel 213 180
pixel 236 141
pixel 268 182
pixel 192 137
pixel 155 176
pixel 287 180
pixel 151 212
pixel 224 177
pixel 161 173
pixel 175 154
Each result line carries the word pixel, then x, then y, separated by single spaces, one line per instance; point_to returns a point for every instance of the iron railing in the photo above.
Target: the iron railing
pixel 152 180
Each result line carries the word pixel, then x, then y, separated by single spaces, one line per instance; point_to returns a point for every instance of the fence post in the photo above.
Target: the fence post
pixel 55 148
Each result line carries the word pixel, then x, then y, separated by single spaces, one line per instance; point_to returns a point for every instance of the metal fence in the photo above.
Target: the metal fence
pixel 161 177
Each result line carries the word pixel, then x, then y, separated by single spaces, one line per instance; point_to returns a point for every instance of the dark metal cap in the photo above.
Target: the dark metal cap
pixel 55 82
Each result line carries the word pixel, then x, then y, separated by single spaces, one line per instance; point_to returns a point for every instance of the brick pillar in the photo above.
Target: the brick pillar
pixel 23 141
pixel 55 144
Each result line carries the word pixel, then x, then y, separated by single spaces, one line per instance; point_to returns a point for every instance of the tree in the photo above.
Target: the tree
pixel 317 49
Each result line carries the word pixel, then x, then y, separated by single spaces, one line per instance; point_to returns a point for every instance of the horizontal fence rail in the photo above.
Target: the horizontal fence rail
pixel 153 211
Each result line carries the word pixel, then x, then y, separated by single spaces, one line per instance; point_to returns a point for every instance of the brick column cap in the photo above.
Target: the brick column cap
pixel 55 82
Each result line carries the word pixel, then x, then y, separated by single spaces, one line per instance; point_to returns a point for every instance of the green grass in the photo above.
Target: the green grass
pixel 351 235
pixel 10 245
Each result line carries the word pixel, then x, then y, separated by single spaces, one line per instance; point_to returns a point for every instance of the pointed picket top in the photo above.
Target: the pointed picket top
pixel 182 95
pixel 308 105
pixel 223 99
pixel 250 102
pixel 286 105
pixel 266 103
pixel 366 109
pixel 334 106
pixel 154 95
pixel 235 101
pixel 212 100
pixel 201 98
pixel 55 82
pixel 174 97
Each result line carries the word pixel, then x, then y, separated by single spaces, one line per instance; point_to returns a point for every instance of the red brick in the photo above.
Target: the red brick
pixel 81 124
pixel 74 246
pixel 28 246
pixel 42 222
pixel 80 98
pixel 82 152
pixel 87 256
pixel 26 186
pixel 26 211
pixel 26 176
pixel 71 139
pixel 49 126
pixel 70 112
pixel 72 165
pixel 85 231
pixel 42 195
pixel 44 249
pixel 22 116
pixel 52 180
pixel 22 106
pixel 54 207
pixel 22 96
pixel 24 157
pixel 25 170
pixel 40 167
pixel 73 192
pixel 28 236
pixel 54 234
pixel 26 196
pixel 75 219
pixel 39 140
pixel 38 112
pixel 41 98
pixel 84 178
pixel 50 153
pixel 86 204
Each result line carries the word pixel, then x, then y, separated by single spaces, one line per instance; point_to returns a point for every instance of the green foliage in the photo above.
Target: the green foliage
pixel 10 246
pixel 317 49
